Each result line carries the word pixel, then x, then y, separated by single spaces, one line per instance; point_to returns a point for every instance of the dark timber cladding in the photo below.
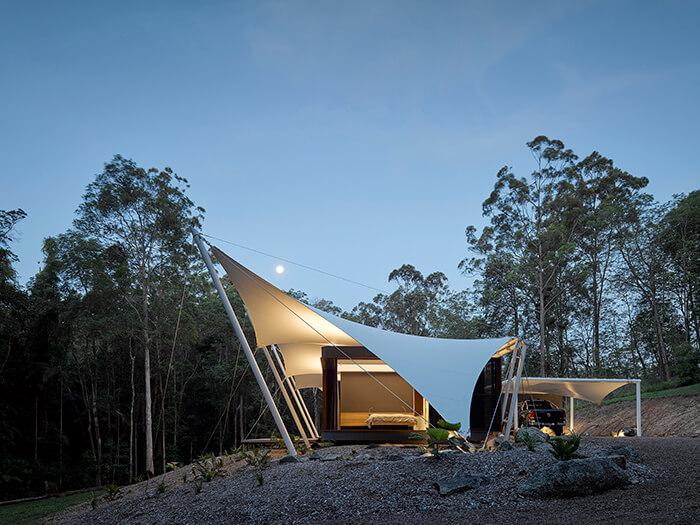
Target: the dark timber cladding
pixel 485 399
pixel 347 352
pixel 329 421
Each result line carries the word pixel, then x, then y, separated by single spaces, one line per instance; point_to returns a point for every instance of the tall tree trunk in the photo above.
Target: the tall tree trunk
pixel 543 330
pixel 660 339
pixel 132 470
pixel 147 377
pixel 98 438
pixel 596 317
pixel 60 433
pixel 693 314
pixel 36 427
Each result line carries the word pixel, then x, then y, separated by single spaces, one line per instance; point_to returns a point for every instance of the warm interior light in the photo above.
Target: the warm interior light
pixel 279 269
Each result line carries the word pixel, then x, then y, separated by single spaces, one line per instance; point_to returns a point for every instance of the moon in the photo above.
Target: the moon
pixel 279 269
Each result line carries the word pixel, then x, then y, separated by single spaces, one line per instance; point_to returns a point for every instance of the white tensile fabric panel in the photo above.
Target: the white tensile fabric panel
pixel 444 371
pixel 301 359
pixel 309 381
pixel 594 390
pixel 277 317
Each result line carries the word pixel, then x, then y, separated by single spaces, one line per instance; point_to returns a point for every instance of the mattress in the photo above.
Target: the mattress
pixel 398 419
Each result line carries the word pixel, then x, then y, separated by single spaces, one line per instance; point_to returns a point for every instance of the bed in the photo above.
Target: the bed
pixel 397 419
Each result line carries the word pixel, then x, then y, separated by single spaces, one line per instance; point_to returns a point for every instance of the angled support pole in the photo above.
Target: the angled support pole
pixel 301 406
pixel 244 343
pixel 304 409
pixel 513 416
pixel 285 394
pixel 509 381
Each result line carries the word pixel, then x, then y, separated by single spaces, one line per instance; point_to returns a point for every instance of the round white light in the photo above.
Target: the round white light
pixel 279 269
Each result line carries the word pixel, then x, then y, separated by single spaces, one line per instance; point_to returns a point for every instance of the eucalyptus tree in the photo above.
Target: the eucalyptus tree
pixel 644 269
pixel 529 228
pixel 147 215
pixel 8 221
pixel 11 296
pixel 414 307
pixel 601 198
pixel 681 241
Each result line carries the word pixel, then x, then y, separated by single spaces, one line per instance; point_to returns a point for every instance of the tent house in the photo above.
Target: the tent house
pixel 376 385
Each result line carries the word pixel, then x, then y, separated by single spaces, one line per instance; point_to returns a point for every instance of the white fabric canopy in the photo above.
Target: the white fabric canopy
pixel 301 359
pixel 594 390
pixel 309 381
pixel 444 371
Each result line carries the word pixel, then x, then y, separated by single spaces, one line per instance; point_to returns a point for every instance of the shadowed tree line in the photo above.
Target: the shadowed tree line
pixel 116 357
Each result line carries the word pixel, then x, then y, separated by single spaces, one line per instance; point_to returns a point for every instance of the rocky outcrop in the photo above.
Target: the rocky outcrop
pixel 576 477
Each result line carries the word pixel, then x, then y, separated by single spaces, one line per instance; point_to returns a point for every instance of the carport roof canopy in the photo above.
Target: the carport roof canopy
pixel 594 390
pixel 444 371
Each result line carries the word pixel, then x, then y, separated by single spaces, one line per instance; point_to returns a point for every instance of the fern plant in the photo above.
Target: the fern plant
pixel 564 448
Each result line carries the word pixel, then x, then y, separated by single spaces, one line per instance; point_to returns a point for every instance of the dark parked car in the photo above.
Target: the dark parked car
pixel 542 413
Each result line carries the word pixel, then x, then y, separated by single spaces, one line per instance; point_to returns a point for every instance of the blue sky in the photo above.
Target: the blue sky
pixel 351 136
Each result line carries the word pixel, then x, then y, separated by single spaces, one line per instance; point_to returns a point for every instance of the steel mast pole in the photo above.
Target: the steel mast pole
pixel 244 343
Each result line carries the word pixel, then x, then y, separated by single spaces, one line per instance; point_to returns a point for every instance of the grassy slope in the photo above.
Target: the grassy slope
pixel 33 512
pixel 688 390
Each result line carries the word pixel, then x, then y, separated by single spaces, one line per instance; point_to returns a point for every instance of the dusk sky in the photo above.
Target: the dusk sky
pixel 352 136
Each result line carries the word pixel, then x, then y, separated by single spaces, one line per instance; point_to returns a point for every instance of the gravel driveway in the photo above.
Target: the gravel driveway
pixel 395 485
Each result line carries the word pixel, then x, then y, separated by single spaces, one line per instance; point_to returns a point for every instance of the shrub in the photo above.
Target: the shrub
pixel 259 459
pixel 112 492
pixel 440 435
pixel 686 365
pixel 564 447
pixel 529 441
pixel 207 467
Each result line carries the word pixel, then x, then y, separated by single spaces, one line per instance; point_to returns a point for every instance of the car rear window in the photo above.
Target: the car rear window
pixel 539 403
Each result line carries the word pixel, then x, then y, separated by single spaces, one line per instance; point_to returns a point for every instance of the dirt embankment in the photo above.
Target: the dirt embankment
pixel 668 416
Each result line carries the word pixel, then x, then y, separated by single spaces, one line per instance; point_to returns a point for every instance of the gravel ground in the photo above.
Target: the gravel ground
pixel 395 485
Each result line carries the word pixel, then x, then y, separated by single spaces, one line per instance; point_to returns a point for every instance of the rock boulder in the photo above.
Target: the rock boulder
pixel 576 477
pixel 459 483
pixel 531 432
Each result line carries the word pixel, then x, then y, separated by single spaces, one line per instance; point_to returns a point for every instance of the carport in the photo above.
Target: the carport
pixel 588 389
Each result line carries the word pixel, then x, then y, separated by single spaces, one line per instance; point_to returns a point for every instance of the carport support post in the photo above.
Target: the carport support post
pixel 638 391
pixel 244 343
pixel 571 414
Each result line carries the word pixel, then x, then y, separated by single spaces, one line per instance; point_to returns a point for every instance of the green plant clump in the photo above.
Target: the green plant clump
pixel 205 469
pixel 564 447
pixel 529 441
pixel 259 459
pixel 440 435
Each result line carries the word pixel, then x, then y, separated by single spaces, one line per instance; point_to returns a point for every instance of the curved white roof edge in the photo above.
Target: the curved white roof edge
pixel 444 371
pixel 588 389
